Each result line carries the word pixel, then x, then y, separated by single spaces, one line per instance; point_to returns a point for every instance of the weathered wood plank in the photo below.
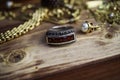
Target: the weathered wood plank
pixel 42 59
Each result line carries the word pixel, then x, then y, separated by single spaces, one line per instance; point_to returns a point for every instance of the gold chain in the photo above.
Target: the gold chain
pixel 37 18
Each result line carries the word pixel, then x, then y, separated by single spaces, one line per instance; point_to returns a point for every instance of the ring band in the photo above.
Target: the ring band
pixel 59 35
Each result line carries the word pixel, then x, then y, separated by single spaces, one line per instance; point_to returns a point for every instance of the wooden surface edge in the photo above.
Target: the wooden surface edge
pixel 58 74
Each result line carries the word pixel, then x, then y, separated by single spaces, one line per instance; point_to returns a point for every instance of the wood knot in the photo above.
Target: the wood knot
pixel 15 56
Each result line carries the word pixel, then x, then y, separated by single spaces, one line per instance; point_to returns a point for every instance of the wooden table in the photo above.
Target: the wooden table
pixel 91 57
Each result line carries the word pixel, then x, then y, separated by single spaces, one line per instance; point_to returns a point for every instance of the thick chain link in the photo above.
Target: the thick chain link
pixel 37 18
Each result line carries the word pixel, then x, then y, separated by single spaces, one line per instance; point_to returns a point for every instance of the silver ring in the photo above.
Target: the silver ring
pixel 59 35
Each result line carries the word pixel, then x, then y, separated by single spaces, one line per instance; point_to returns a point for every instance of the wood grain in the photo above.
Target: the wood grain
pixel 107 69
pixel 43 60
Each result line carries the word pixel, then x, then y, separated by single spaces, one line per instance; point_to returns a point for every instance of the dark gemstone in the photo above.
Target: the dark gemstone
pixel 49 40
pixel 52 3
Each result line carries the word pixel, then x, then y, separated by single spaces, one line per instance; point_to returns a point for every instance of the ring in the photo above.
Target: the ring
pixel 59 35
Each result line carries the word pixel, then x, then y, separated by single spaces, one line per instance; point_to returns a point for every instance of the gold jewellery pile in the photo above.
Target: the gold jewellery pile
pixel 55 15
pixel 108 12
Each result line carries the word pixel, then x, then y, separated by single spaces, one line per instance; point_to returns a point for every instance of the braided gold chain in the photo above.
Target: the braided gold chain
pixel 36 19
